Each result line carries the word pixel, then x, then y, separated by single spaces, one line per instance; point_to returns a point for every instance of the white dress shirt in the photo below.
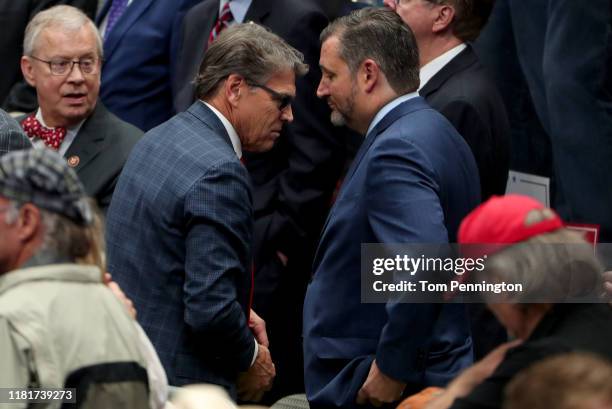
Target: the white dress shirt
pixel 388 108
pixel 434 66
pixel 238 8
pixel 238 149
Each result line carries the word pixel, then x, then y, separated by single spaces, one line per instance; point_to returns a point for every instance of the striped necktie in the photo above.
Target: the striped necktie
pixel 114 13
pixel 225 18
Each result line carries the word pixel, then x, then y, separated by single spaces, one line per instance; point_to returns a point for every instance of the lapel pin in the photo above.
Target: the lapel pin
pixel 73 161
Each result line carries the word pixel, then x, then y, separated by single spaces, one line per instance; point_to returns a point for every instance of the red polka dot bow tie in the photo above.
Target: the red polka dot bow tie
pixel 52 137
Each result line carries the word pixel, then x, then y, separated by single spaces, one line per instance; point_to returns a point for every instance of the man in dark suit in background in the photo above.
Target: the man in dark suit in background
pixel 412 181
pixel 454 82
pixel 15 93
pixel 293 183
pixel 63 64
pixel 179 227
pixel 139 46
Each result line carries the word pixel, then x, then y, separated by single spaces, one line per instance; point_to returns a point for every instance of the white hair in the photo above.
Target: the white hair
pixel 65 17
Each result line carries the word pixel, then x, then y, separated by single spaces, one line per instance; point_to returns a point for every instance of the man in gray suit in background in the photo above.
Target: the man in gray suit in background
pixel 62 59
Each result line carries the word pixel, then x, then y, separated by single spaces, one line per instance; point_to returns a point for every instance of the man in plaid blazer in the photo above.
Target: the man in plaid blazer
pixel 179 225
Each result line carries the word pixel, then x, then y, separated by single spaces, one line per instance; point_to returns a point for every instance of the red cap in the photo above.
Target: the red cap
pixel 506 220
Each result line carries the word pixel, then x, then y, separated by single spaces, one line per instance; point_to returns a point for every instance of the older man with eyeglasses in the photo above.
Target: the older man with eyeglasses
pixel 62 59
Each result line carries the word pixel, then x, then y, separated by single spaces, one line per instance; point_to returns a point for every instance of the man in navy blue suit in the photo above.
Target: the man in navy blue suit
pixel 413 180
pixel 139 45
pixel 179 225
pixel 552 58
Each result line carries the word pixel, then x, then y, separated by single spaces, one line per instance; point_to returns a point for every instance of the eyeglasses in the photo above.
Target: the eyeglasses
pixel 62 66
pixel 283 100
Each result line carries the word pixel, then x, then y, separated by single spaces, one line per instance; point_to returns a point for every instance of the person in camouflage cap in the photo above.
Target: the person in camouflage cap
pixel 51 300
pixel 44 179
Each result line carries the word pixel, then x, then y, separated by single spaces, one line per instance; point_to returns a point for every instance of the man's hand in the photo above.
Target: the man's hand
pixel 378 388
pixel 118 292
pixel 258 379
pixel 607 276
pixel 481 370
pixel 465 383
pixel 258 328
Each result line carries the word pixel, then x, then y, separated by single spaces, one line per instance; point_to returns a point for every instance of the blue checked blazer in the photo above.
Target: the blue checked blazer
pixel 178 237
pixel 11 135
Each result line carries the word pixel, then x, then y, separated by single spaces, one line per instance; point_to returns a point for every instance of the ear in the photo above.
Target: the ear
pixel 369 73
pixel 28 70
pixel 232 87
pixel 29 223
pixel 445 17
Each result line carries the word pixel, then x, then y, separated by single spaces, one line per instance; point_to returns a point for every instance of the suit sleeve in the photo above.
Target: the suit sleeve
pixel 315 156
pixel 218 210
pixel 404 207
pixel 577 75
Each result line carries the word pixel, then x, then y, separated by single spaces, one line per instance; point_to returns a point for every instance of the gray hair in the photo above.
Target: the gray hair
pixel 62 238
pixel 552 267
pixel 379 34
pixel 64 17
pixel 250 51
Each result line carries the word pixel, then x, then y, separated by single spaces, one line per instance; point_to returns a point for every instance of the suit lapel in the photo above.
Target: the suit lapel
pixel 127 20
pixel 463 60
pixel 210 120
pixel 404 108
pixel 90 139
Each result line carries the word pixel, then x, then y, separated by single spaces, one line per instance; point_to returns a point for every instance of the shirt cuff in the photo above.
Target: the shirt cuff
pixel 255 352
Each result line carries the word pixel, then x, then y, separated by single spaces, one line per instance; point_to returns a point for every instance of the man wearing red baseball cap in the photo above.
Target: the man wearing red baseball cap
pixel 527 242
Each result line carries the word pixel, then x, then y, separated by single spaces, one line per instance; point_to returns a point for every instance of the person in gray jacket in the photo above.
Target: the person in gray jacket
pixel 60 326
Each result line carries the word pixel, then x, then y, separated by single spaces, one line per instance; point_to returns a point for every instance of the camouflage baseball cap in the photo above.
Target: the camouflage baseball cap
pixel 42 177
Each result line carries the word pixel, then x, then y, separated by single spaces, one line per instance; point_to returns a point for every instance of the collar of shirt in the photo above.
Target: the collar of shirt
pixel 238 8
pixel 388 108
pixel 230 130
pixel 71 133
pixel 431 68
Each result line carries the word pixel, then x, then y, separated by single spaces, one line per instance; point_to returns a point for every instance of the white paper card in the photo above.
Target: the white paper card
pixel 537 187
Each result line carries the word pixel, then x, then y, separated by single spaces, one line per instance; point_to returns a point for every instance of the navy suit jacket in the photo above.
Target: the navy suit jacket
pixel 138 53
pixel 412 181
pixel 568 73
pixel 178 235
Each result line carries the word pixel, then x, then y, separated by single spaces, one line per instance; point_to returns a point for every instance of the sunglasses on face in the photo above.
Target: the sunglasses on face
pixel 283 100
